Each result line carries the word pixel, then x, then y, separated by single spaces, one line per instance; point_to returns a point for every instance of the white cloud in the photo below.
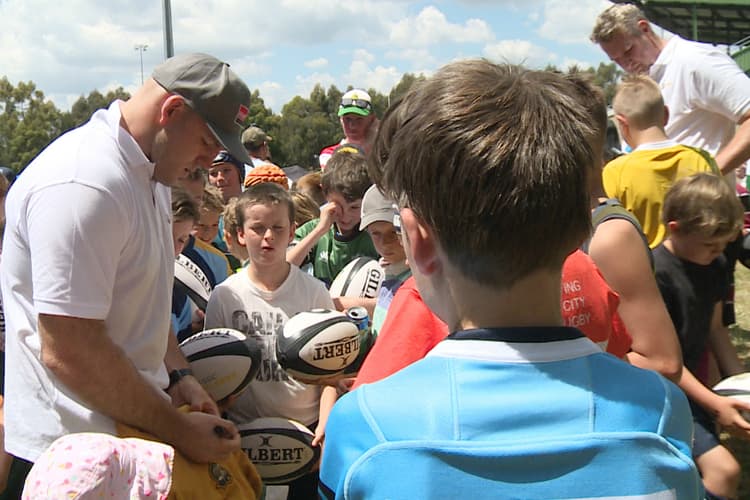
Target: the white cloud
pixel 320 62
pixel 305 83
pixel 518 52
pixel 274 95
pixel 570 22
pixel 362 75
pixel 430 27
pixel 568 62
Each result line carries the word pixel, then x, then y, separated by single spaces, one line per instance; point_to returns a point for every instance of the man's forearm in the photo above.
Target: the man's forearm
pixel 82 356
pixel 737 151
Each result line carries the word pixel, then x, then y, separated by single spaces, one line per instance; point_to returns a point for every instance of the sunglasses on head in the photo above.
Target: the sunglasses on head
pixel 360 103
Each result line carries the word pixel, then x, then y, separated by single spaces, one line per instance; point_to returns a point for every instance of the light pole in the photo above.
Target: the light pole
pixel 141 48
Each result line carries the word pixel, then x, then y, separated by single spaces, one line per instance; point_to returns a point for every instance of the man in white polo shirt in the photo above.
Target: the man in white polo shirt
pixel 87 268
pixel 706 93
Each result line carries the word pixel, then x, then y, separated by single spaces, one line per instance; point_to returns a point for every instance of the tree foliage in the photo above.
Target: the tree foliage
pixel 28 121
pixel 84 107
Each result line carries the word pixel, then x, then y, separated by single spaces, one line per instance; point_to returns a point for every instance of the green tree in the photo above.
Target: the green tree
pixel 84 107
pixel 403 86
pixel 28 123
pixel 304 129
pixel 607 76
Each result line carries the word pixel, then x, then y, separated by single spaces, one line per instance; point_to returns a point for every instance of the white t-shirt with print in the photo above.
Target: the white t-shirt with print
pixel 237 303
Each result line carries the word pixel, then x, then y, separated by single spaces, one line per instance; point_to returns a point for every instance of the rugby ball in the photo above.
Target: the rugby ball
pixel 192 280
pixel 366 341
pixel 280 449
pixel 318 344
pixel 737 387
pixel 360 278
pixel 223 360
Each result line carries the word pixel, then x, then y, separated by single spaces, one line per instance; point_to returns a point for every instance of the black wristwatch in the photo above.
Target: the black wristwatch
pixel 177 375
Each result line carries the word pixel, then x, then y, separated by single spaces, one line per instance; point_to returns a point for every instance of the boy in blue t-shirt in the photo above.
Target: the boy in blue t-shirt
pixel 702 214
pixel 512 404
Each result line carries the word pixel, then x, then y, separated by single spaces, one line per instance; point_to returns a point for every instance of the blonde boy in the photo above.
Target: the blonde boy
pixel 640 180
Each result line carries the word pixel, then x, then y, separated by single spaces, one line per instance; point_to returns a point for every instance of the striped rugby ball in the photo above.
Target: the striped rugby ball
pixel 223 360
pixel 318 344
pixel 281 449
pixel 360 278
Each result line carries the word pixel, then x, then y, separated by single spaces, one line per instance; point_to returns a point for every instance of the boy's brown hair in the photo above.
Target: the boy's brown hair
pixel 704 205
pixel 496 160
pixel 267 193
pixel 305 208
pixel 212 200
pixel 230 217
pixel 639 100
pixel 184 206
pixel 346 174
pixel 310 185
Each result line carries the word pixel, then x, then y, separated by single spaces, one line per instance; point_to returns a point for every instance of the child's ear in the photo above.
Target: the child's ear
pixel 673 226
pixel 241 236
pixel 423 246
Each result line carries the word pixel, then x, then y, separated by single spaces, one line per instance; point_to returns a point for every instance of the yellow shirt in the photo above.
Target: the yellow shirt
pixel 233 478
pixel 641 179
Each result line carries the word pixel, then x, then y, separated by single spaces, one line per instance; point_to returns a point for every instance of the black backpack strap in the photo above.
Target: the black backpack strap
pixel 613 209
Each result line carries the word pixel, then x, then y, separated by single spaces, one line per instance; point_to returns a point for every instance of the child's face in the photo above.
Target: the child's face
pixel 226 177
pixel 348 214
pixel 387 241
pixel 266 233
pixel 180 234
pixel 208 227
pixel 698 249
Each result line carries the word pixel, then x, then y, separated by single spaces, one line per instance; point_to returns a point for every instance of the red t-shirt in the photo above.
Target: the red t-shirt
pixel 409 332
pixel 589 304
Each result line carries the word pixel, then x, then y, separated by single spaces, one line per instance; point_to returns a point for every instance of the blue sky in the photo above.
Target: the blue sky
pixel 284 47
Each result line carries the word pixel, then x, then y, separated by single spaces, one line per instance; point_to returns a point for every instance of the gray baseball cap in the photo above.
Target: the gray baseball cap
pixel 214 91
pixel 375 208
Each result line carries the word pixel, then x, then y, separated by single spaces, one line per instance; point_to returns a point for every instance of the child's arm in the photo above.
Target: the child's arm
pixel 344 303
pixel 297 253
pixel 327 400
pixel 722 347
pixel 726 411
pixel 655 344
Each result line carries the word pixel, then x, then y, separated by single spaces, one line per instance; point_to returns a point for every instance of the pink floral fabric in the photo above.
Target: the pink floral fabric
pixel 92 466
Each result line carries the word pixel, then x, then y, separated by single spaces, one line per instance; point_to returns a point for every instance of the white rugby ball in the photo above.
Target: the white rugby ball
pixel 737 387
pixel 318 344
pixel 193 279
pixel 223 360
pixel 281 449
pixel 360 278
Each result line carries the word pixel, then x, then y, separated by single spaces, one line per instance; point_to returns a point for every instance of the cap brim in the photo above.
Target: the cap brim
pixel 231 143
pixel 377 216
pixel 354 109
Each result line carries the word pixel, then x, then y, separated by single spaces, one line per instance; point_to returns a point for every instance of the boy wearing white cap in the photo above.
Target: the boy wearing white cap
pixel 378 214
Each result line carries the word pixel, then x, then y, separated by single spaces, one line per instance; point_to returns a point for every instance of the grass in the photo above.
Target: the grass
pixel 741 339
